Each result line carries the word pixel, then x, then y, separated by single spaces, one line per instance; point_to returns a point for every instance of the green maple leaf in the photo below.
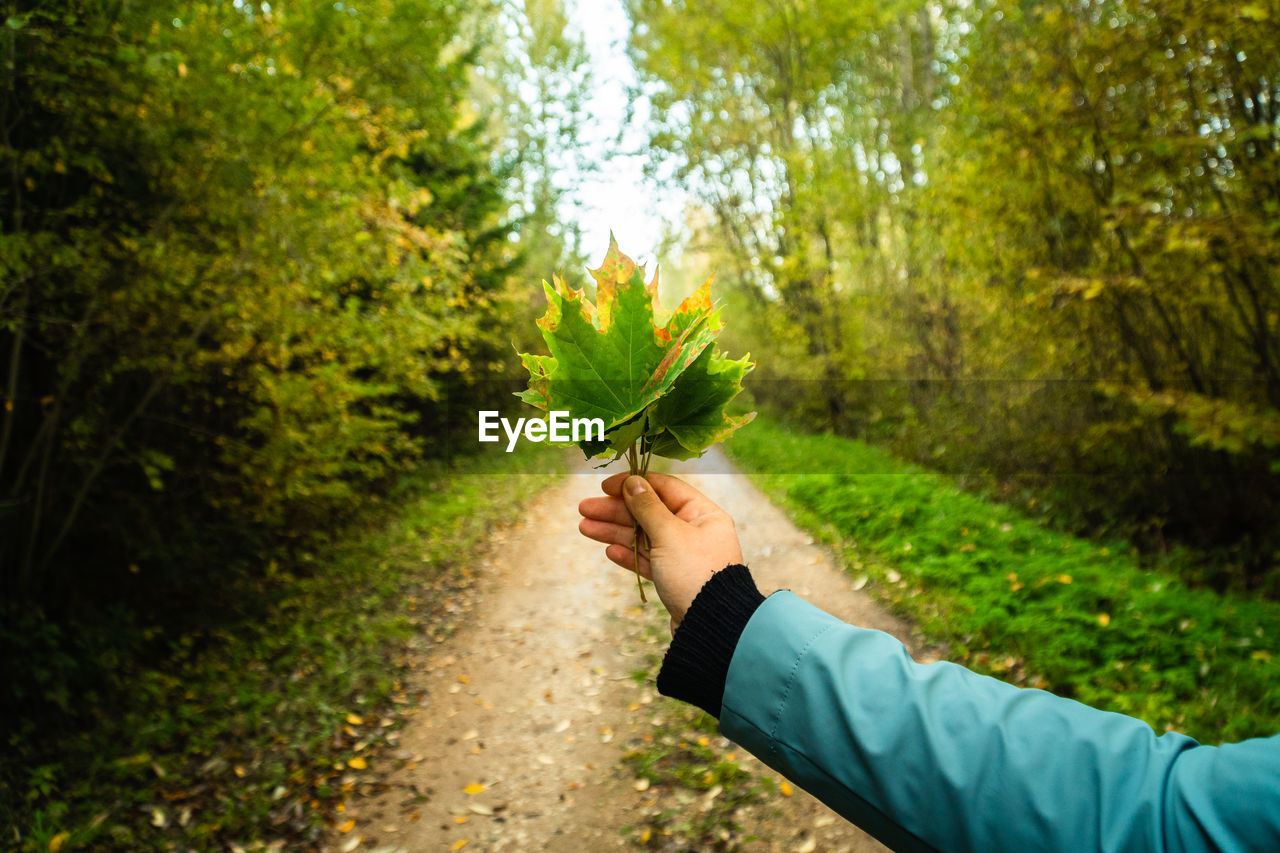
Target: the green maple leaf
pixel 652 378
pixel 692 417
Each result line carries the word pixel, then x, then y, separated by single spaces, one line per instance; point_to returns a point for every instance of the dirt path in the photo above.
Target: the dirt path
pixel 530 706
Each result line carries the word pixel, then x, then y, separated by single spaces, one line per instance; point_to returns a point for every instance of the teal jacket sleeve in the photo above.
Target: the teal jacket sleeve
pixel 935 757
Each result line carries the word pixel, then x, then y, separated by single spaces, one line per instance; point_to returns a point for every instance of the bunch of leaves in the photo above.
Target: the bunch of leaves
pixel 653 378
pixel 1031 605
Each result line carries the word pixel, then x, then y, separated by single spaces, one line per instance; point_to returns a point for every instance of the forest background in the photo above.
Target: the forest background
pixel 259 266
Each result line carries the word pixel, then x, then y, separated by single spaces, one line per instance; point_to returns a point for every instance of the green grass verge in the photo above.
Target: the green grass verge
pixel 252 732
pixel 1016 600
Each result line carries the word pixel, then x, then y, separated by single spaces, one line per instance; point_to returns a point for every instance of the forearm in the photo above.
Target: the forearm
pixel 937 757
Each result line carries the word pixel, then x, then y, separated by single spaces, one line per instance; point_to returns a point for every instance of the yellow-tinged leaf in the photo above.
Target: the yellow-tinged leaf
pixel 785 788
pixel 646 835
pixel 473 789
pixel 1064 578
pixel 642 373
pixel 461 819
pixel 1104 619
pixel 355 719
pixel 459 844
pixel 55 843
pixel 357 763
pixel 347 827
pixel 1261 655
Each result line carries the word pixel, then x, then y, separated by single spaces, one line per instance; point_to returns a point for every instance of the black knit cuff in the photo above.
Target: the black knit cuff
pixel 697 663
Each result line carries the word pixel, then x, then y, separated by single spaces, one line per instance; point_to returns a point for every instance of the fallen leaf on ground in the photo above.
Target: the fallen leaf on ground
pixel 347 827
pixel 355 719
pixel 785 789
pixel 473 788
pixel 357 763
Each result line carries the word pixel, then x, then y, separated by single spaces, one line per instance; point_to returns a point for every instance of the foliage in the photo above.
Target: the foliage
pixel 1033 606
pixel 653 380
pixel 245 732
pixel 1026 243
pixel 250 256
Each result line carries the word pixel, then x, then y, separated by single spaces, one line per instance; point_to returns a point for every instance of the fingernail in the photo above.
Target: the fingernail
pixel 636 486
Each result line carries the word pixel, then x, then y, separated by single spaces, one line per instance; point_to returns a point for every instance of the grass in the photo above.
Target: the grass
pixel 252 734
pixel 1014 599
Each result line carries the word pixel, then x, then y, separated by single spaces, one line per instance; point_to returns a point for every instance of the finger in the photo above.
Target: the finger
pixel 606 509
pixel 612 485
pixel 648 509
pixel 675 493
pixel 625 557
pixel 607 532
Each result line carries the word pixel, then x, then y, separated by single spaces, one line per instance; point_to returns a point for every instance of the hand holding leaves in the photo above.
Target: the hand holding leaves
pixel 654 379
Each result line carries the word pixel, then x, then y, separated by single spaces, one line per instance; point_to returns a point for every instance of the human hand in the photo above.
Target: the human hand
pixel 690 538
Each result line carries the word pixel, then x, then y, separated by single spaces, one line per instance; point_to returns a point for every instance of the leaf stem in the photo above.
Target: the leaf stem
pixel 633 461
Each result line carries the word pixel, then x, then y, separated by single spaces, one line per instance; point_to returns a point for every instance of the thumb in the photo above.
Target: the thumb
pixel 645 505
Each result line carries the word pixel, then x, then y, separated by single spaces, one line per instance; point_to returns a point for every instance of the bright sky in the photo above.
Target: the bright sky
pixel 617 197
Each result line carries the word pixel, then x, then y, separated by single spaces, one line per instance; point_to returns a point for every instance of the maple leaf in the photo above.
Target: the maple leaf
pixel 692 416
pixel 653 378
